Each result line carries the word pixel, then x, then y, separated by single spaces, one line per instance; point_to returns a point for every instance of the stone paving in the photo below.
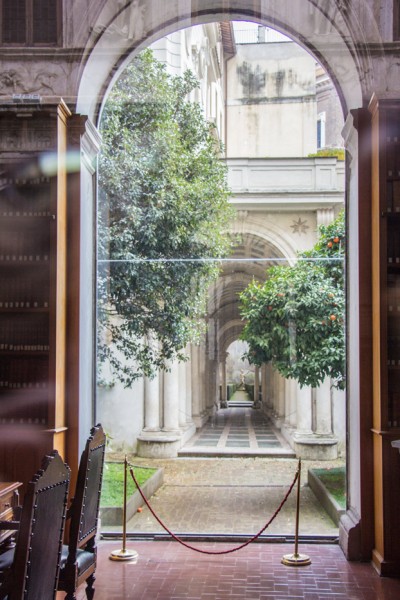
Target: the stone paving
pixel 238 429
pixel 231 495
pixel 209 492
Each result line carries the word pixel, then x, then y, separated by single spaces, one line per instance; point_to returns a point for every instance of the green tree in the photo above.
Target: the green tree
pixel 295 319
pixel 162 217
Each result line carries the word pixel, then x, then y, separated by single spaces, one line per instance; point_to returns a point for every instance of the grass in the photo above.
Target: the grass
pixel 335 482
pixel 112 491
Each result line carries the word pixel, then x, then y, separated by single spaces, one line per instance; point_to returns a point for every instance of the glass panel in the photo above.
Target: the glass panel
pixel 222 336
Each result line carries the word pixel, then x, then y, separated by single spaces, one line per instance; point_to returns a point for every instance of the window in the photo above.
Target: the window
pixel 30 22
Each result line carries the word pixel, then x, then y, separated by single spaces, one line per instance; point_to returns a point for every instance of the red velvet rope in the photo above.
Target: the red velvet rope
pixel 177 539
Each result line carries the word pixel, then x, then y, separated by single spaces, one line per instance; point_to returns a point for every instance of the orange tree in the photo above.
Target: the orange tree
pixel 295 319
pixel 163 214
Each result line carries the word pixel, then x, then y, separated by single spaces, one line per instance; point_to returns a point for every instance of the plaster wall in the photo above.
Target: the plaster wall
pixel 271 103
pixel 122 414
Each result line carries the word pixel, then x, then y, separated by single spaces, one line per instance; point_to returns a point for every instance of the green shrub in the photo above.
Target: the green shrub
pixel 338 152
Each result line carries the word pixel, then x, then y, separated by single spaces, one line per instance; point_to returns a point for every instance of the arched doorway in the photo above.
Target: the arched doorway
pixel 356 42
pixel 353 97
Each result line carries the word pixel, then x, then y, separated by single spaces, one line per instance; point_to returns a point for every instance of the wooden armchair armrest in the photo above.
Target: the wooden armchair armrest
pixel 9 525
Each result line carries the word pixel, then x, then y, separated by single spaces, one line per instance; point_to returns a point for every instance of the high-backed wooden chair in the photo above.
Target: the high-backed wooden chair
pixel 78 562
pixel 33 568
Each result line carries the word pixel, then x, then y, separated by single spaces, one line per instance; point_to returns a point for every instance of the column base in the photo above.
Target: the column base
pixel 315 447
pixel 159 444
pixel 200 420
pixel 163 443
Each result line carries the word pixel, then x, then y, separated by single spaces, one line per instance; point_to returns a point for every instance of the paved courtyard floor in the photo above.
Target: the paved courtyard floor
pixel 206 491
pixel 238 429
pixel 231 495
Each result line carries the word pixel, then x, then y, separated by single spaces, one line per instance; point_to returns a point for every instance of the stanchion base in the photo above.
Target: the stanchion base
pixel 296 560
pixel 123 555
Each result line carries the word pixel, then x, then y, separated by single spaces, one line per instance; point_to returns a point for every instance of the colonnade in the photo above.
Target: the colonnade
pixel 304 415
pixel 177 401
pixel 161 414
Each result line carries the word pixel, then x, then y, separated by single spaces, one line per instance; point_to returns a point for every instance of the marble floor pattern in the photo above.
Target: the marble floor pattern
pixel 237 430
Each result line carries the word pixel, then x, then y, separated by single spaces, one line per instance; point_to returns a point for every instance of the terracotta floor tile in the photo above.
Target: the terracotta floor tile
pixel 166 571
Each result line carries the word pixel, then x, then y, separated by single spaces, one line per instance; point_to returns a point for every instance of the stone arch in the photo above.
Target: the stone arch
pixel 229 333
pixel 269 232
pixel 332 32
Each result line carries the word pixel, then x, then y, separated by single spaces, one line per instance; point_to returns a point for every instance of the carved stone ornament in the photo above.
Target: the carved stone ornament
pixel 48 80
pixel 300 226
pixel 128 25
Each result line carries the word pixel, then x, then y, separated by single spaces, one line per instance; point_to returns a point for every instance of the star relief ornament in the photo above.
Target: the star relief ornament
pixel 300 226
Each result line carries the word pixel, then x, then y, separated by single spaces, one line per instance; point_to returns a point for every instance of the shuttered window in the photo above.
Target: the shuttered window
pixel 30 22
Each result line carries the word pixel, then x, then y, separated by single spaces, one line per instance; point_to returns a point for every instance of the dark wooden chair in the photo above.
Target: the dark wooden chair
pixel 79 557
pixel 31 570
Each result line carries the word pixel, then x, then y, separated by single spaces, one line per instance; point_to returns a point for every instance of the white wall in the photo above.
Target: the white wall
pixel 271 103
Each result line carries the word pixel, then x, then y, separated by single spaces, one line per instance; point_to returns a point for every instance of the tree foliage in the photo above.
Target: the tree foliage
pixel 295 319
pixel 163 210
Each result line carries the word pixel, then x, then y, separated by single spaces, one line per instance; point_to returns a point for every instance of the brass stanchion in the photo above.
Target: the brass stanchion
pixel 123 553
pixel 296 559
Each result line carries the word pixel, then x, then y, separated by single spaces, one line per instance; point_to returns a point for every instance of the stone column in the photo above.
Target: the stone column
pixel 304 411
pixel 270 390
pixel 188 366
pixel 324 408
pixel 152 403
pixel 293 403
pixel 279 399
pixel 182 394
pixel 224 399
pixel 289 424
pixel 195 382
pixel 256 387
pixel 171 397
pixel 264 384
pixel 288 392
pixel 202 380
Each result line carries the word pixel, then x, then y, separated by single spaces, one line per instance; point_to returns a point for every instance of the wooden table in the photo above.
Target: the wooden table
pixel 9 499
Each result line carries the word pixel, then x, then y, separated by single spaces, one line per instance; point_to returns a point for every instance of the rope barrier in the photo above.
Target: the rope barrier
pixel 229 551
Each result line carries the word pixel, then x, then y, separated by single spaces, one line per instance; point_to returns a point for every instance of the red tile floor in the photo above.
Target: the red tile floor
pixel 168 571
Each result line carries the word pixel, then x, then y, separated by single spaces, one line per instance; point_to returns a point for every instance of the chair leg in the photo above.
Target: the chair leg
pixel 89 588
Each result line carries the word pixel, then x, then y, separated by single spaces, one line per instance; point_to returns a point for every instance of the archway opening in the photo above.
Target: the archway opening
pixel 279 202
